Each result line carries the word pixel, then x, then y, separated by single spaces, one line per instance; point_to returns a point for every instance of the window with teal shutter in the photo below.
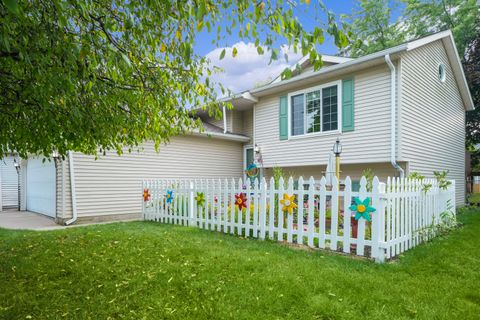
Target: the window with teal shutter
pixel 347 105
pixel 283 118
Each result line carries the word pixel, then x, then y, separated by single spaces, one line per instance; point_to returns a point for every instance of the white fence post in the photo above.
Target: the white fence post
pixel 376 226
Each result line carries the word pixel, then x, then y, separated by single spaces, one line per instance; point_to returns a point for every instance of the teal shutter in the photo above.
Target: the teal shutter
pixel 347 105
pixel 283 118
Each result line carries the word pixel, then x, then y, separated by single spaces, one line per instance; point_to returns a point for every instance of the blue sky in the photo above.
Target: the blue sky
pixel 248 68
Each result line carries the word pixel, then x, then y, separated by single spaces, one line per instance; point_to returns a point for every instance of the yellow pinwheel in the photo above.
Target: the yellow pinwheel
pixel 288 203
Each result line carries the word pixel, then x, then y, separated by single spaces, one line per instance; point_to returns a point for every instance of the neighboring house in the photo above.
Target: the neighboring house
pixel 395 111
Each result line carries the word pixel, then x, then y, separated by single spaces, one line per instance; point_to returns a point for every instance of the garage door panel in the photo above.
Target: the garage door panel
pixel 41 186
pixel 9 184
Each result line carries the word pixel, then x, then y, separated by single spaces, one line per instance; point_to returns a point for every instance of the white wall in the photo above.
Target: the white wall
pixel 433 116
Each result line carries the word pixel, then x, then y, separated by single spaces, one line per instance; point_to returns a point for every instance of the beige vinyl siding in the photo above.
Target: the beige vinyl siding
pixel 112 184
pixel 354 171
pixel 433 116
pixel 64 196
pixel 214 121
pixel 368 143
pixel 248 123
pixel 235 121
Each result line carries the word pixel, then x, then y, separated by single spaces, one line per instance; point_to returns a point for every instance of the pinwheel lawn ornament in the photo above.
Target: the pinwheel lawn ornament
pixel 240 201
pixel 252 171
pixel 200 198
pixel 288 203
pixel 362 208
pixel 146 195
pixel 169 196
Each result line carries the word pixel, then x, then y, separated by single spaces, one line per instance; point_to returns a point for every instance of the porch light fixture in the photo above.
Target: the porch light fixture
pixel 257 149
pixel 337 148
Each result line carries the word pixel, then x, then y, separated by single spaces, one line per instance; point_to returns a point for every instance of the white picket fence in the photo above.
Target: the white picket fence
pixel 405 213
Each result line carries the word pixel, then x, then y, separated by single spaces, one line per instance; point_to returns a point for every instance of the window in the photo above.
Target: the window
pixel 441 72
pixel 314 111
pixel 297 115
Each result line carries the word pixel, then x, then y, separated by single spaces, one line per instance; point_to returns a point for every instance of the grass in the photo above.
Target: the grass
pixel 145 270
pixel 474 198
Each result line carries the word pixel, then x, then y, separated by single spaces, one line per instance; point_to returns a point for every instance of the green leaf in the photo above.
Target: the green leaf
pixel 127 60
pixel 12 5
pixel 222 54
pixel 234 52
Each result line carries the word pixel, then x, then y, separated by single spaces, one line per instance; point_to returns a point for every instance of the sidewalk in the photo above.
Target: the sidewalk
pixel 14 219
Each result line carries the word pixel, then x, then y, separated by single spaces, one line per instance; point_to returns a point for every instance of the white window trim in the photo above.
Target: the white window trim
pixel 338 83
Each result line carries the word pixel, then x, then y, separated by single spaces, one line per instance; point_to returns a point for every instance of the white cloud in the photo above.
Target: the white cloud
pixel 248 68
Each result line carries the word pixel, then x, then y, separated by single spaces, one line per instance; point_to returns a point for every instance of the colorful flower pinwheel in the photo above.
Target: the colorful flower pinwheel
pixel 240 200
pixel 146 195
pixel 288 203
pixel 200 198
pixel 362 208
pixel 169 196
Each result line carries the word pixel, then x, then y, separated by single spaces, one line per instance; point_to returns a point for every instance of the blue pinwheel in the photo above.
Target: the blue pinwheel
pixel 169 196
pixel 362 208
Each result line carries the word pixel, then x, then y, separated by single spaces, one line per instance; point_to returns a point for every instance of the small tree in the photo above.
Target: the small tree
pixel 82 75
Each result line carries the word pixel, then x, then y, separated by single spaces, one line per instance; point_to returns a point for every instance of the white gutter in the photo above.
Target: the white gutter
pixel 222 136
pixel 72 190
pixel 224 120
pixel 393 115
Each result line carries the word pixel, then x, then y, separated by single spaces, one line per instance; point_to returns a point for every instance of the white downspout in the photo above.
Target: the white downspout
pixel 72 190
pixel 224 120
pixel 393 115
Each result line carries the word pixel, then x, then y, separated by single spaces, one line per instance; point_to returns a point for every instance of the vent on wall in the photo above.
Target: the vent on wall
pixel 441 72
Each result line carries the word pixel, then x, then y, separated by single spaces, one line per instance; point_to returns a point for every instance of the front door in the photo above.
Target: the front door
pixel 248 160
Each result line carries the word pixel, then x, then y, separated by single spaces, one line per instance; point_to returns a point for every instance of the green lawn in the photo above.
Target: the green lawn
pixel 147 270
pixel 474 198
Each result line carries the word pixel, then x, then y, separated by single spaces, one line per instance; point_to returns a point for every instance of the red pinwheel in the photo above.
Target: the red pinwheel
pixel 240 201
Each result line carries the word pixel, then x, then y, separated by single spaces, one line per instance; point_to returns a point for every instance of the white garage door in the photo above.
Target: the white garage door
pixel 9 178
pixel 41 186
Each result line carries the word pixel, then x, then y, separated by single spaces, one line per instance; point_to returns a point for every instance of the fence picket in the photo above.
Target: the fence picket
pixel 239 209
pixel 375 216
pixel 263 208
pixel 361 222
pixel 255 208
pixel 321 223
pixel 311 211
pixel 290 215
pixel 347 214
pixel 300 208
pixel 334 212
pixel 248 213
pixel 271 211
pixel 281 186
